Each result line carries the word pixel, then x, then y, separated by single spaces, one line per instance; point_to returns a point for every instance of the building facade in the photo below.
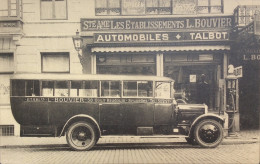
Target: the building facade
pixel 188 40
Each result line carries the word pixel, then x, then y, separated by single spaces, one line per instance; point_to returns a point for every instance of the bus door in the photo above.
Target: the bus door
pixel 163 111
pixel 110 106
pixel 138 106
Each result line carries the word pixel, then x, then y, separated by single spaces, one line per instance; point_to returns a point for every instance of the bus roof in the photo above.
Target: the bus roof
pixel 56 76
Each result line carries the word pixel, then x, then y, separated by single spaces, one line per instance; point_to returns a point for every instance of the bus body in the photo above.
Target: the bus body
pixel 86 107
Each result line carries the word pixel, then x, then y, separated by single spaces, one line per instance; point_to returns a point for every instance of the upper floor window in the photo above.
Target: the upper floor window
pixel 55 62
pixel 157 7
pixel 210 6
pixel 108 7
pixel 11 8
pixel 6 62
pixel 53 9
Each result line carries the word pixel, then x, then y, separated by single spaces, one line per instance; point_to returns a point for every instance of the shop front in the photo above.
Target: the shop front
pixel 193 51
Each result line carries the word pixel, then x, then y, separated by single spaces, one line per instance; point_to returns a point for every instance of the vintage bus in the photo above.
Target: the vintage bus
pixel 87 107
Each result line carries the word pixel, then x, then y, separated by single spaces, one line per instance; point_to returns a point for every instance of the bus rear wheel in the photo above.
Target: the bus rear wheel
pixel 81 136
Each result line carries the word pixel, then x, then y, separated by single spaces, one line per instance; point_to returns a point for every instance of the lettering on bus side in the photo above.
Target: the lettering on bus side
pixel 96 100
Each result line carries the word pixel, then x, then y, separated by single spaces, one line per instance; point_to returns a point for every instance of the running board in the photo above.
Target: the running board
pixel 152 136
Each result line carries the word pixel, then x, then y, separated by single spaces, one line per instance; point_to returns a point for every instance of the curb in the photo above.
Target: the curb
pixel 224 142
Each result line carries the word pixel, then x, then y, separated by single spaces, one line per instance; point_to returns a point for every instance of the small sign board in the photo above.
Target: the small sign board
pixel 238 71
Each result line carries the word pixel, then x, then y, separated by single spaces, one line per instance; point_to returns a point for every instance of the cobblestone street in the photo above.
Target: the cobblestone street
pixel 163 152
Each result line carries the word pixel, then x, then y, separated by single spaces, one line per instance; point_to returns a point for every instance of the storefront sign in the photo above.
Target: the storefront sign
pixel 159 37
pixel 164 24
pixel 252 54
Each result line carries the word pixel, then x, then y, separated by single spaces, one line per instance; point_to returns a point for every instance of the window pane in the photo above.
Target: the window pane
pixel 216 9
pixel 163 90
pixel 6 62
pixel 32 88
pixel 203 2
pixel 90 89
pixel 75 87
pixel 130 89
pixel 203 10
pixel 133 7
pixel 113 4
pixel 4 5
pixel 184 6
pixel 152 3
pixel 101 3
pixel 61 88
pixel 164 3
pixel 110 88
pixel 145 88
pixel 46 9
pixel 47 88
pixel 60 9
pixel 55 62
pixel 215 2
pixel 18 88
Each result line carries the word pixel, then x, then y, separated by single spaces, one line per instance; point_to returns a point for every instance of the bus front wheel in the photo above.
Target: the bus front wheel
pixel 81 136
pixel 208 133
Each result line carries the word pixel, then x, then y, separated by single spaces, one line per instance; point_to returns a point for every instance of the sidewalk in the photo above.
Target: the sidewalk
pixel 243 137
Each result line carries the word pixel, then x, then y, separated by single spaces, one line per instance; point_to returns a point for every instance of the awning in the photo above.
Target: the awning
pixel 161 48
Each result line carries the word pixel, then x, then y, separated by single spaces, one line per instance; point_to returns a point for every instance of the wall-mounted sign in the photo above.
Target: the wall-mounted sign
pixel 238 71
pixel 160 37
pixel 250 54
pixel 163 24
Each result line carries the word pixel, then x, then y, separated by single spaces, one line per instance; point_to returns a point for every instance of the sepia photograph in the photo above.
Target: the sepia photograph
pixel 129 81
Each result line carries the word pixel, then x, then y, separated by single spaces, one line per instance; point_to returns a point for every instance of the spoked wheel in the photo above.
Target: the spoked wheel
pixel 208 133
pixel 81 136
pixel 191 141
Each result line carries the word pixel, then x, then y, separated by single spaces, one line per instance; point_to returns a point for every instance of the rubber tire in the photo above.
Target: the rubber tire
pixel 86 125
pixel 204 144
pixel 191 141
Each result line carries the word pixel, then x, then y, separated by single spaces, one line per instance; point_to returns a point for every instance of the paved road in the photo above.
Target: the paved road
pixel 132 153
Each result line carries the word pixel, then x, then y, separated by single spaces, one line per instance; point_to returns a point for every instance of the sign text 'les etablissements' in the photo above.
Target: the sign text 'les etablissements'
pixel 164 24
pixel 160 37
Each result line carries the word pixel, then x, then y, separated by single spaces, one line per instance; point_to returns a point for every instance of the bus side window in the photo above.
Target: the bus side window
pixel 110 89
pixel 61 88
pixel 18 88
pixel 130 89
pixel 163 90
pixel 75 88
pixel 32 88
pixel 145 88
pixel 90 89
pixel 47 88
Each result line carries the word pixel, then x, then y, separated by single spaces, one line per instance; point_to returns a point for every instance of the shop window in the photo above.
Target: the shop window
pixel 53 9
pixel 55 62
pixel 6 62
pixel 138 64
pixel 110 89
pixel 210 6
pixel 108 7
